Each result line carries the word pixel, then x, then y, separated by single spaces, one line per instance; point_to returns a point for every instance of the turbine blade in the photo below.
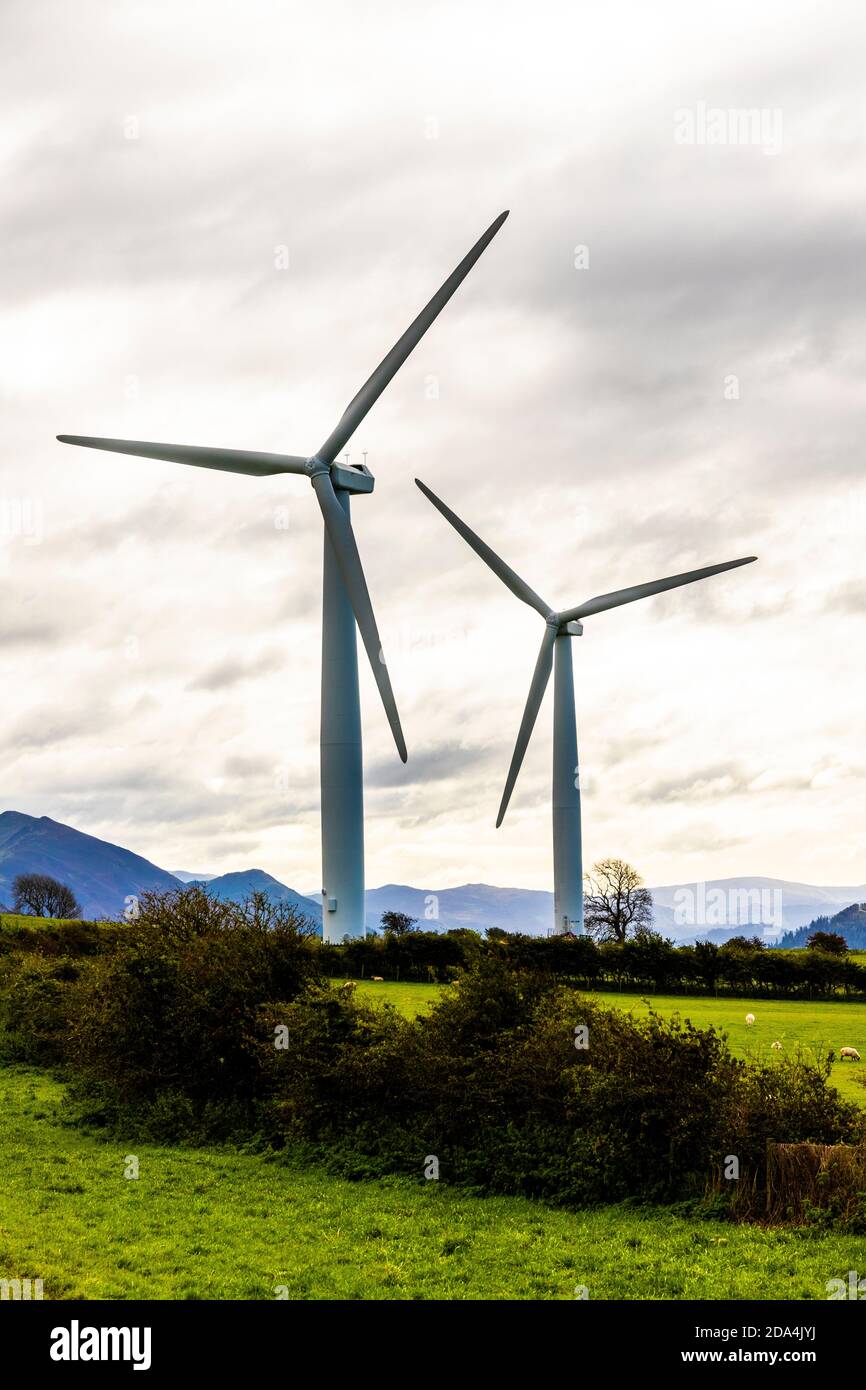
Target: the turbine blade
pixel 656 586
pixel 388 367
pixel 226 460
pixel 540 677
pixel 342 538
pixel 517 585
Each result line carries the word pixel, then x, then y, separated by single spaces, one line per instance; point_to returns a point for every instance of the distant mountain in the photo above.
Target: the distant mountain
pixel 725 907
pixel 101 875
pixel 475 905
pixel 186 877
pixel 850 923
pixel 237 887
pixel 712 911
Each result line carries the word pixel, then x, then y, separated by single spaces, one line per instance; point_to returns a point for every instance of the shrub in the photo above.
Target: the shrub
pixel 74 938
pixel 492 1084
pixel 175 1006
pixel 33 1006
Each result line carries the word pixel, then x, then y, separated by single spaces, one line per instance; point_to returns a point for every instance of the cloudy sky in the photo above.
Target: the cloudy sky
pixel 215 221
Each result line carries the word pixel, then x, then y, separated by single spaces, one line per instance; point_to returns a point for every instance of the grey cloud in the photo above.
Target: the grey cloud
pixel 701 784
pixel 46 727
pixel 17 631
pixel 242 765
pixel 234 670
pixel 695 839
pixel 442 763
pixel 722 781
pixel 847 598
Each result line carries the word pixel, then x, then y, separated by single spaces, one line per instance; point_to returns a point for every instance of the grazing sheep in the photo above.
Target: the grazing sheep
pixel 378 979
pixel 348 987
pixel 849 1052
pixel 776 1046
pixel 750 1018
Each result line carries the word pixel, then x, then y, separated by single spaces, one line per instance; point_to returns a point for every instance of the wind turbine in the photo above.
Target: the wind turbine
pixel 345 602
pixel 559 629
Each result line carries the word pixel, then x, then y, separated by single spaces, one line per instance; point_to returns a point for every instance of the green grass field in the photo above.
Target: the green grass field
pixel 24 919
pixel 406 999
pixel 215 1223
pixel 816 1028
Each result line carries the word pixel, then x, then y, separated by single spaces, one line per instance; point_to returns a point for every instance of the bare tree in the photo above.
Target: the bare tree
pixel 616 904
pixel 44 897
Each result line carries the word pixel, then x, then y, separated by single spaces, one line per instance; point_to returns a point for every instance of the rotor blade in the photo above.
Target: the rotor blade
pixel 342 538
pixel 387 368
pixel 656 586
pixel 517 585
pixel 226 460
pixel 540 677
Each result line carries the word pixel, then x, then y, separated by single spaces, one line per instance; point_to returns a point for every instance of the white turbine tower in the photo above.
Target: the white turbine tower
pixel 345 602
pixel 559 629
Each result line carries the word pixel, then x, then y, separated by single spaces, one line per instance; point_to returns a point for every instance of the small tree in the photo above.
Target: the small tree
pixel 706 958
pixel 744 945
pixel 397 923
pixel 41 896
pixel 830 941
pixel 496 934
pixel 616 904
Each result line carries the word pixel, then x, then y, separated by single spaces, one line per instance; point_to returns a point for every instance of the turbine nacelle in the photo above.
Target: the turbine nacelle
pixel 349 477
pixel 563 626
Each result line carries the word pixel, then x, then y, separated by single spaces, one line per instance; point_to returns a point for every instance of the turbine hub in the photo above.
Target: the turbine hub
pixel 315 466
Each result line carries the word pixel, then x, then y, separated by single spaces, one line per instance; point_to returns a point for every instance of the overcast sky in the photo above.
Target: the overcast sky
pixel 684 389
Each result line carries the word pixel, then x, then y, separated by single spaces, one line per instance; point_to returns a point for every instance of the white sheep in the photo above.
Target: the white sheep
pixel 348 987
pixel 849 1052
pixel 750 1018
pixel 776 1046
pixel 378 979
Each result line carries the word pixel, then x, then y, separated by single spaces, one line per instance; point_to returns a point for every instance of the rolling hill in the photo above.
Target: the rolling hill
pixel 101 875
pixel 475 905
pixel 237 887
pixel 725 907
pixel 850 923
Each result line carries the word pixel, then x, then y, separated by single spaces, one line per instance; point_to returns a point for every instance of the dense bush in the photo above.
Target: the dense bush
pixel 176 1005
pixel 645 961
pixel 492 1084
pixel 34 994
pixel 70 939
pixel 167 1012
pixel 412 955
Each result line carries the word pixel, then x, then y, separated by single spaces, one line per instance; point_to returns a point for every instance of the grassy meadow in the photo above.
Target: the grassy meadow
pixel 220 1224
pixel 31 923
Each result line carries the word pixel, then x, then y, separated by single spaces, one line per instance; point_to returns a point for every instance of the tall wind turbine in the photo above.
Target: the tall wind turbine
pixel 559 629
pixel 345 602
